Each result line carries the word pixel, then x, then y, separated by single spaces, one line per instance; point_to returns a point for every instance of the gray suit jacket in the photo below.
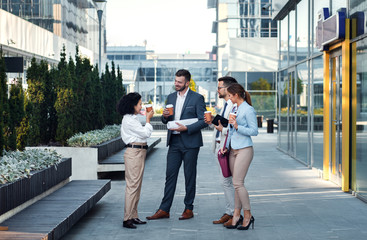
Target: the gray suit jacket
pixel 194 107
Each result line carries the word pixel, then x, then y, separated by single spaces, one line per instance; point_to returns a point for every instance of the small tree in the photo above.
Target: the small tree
pixel 16 104
pixel 64 104
pixel 3 104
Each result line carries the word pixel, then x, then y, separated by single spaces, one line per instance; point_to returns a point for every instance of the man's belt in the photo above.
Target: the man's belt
pixel 137 146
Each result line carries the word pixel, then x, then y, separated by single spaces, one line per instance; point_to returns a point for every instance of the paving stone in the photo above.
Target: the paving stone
pixel 289 201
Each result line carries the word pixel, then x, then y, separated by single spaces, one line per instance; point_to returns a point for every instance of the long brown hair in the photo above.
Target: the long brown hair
pixel 240 91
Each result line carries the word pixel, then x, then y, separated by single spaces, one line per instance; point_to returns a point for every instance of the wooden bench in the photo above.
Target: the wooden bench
pixel 116 163
pixel 52 216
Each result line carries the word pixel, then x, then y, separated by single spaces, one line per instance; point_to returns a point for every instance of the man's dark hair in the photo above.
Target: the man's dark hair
pixel 227 81
pixel 127 103
pixel 184 73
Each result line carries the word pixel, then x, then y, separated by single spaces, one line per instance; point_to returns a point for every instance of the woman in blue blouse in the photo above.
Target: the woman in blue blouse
pixel 241 153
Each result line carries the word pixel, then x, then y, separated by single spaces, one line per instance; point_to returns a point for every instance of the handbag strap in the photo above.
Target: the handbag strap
pixel 225 142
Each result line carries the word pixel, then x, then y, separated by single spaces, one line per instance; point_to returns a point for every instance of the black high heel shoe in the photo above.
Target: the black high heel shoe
pixel 240 220
pixel 252 221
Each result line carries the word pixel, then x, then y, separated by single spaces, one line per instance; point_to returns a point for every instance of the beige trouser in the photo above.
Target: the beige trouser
pixel 134 169
pixel 239 163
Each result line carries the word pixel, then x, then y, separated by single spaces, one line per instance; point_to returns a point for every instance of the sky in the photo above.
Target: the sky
pixel 168 26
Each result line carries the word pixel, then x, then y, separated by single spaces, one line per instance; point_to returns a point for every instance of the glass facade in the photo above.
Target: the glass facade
pixel 249 18
pixel 70 19
pixel 300 85
pixel 361 106
pixel 301 94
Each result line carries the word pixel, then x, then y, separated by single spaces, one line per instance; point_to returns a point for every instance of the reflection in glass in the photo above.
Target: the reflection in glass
pixel 302 115
pixel 292 37
pixel 318 111
pixel 302 33
pixel 361 174
pixel 357 5
pixel 284 43
pixel 283 110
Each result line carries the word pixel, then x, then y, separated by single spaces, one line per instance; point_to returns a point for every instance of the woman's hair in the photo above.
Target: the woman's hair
pixel 240 91
pixel 127 103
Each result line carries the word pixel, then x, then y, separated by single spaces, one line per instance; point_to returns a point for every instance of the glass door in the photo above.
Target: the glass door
pixel 336 116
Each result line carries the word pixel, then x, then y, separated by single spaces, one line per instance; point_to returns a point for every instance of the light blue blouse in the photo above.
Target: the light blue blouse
pixel 247 127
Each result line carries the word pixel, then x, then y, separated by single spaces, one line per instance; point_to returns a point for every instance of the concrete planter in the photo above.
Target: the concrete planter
pixel 108 148
pixel 16 193
pixel 86 159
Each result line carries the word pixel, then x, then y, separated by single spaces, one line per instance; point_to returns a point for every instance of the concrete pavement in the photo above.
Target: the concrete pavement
pixel 289 201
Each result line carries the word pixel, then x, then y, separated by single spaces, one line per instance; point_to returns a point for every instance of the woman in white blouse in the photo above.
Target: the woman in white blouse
pixel 135 137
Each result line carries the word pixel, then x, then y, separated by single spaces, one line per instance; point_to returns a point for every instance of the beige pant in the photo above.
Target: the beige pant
pixel 239 163
pixel 134 169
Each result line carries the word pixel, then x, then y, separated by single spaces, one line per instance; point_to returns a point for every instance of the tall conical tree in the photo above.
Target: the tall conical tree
pixel 98 109
pixel 35 96
pixel 16 104
pixel 120 91
pixel 109 96
pixel 64 103
pixel 3 104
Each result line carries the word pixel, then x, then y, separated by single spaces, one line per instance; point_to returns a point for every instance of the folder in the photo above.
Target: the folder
pixel 223 121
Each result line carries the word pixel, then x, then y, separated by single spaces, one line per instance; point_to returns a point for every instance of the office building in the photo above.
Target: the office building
pixel 40 28
pixel 246 48
pixel 152 74
pixel 322 88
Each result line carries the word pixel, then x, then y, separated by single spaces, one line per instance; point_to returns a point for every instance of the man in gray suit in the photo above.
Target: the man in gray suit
pixel 219 138
pixel 184 143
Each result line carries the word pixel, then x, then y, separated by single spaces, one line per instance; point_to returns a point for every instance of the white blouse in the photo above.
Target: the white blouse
pixel 133 131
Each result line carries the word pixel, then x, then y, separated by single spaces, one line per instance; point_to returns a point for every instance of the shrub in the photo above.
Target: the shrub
pixel 16 165
pixel 94 137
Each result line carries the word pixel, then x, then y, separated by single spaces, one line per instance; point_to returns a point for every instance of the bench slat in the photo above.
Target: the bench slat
pixel 55 214
pixel 22 236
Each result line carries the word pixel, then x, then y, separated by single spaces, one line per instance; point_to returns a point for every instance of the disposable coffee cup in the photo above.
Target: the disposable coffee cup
pixel 232 116
pixel 208 115
pixel 169 107
pixel 148 107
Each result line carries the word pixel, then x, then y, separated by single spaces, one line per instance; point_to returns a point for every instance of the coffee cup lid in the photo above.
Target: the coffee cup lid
pixel 169 106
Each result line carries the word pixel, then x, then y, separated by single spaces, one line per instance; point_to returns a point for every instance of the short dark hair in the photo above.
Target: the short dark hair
pixel 184 73
pixel 240 91
pixel 227 80
pixel 127 103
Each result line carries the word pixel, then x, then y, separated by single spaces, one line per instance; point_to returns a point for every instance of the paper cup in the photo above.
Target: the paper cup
pixel 169 107
pixel 232 116
pixel 148 107
pixel 208 115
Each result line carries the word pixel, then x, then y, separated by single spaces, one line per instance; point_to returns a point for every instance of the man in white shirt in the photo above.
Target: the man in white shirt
pixel 184 144
pixel 220 134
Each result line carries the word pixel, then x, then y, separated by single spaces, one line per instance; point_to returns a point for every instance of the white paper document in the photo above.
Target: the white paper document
pixel 172 124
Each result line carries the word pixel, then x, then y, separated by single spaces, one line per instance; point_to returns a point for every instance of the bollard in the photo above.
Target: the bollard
pixel 270 127
pixel 259 121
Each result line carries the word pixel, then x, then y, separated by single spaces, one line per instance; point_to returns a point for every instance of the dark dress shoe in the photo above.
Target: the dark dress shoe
pixel 129 224
pixel 138 221
pixel 159 214
pixel 187 214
